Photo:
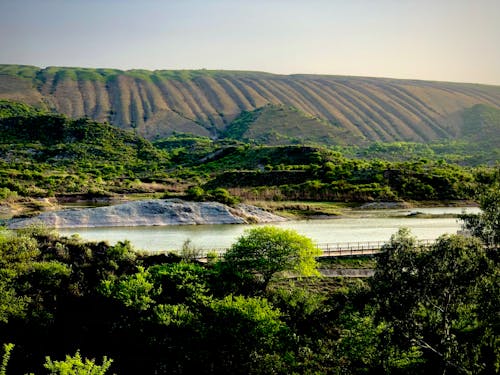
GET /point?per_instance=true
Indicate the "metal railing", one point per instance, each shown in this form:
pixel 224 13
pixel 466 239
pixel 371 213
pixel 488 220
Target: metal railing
pixel 331 249
pixel 359 248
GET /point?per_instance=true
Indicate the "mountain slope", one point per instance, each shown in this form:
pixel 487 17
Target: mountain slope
pixel 157 103
pixel 482 125
pixel 277 125
pixel 27 135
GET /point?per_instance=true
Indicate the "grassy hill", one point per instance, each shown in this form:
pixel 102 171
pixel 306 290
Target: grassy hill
pixel 66 141
pixel 41 153
pixel 281 125
pixel 482 124
pixel 282 109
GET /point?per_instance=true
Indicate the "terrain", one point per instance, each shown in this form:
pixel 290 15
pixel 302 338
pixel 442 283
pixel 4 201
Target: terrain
pixel 276 109
pixel 151 213
pixel 239 136
pixel 46 159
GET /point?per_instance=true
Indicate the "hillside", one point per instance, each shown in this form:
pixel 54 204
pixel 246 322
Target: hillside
pixel 278 125
pixel 47 155
pixel 54 138
pixel 203 102
pixel 42 153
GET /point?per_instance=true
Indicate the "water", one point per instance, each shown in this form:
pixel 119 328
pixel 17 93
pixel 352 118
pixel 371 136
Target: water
pixel 372 225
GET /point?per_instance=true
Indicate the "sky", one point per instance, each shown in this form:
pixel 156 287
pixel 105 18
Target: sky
pixel 442 40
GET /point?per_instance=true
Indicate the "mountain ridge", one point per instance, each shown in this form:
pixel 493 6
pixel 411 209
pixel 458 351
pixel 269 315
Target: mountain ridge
pixel 158 103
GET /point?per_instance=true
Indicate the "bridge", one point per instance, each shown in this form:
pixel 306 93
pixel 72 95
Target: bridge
pixel 332 249
pixel 340 249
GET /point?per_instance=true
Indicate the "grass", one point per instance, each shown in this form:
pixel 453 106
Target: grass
pixel 354 262
pixel 304 209
pixel 321 285
pixel 325 110
pixel 280 124
pixel 21 71
pixel 421 215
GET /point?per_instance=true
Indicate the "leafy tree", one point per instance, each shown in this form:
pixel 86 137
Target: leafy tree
pixel 297 303
pixel 196 193
pixel 7 350
pixel 429 299
pixel 486 225
pixel 133 291
pixel 177 315
pixel 266 251
pixel 242 330
pixel 76 365
pixel 17 254
pixel 180 283
pixel 221 195
pixel 72 365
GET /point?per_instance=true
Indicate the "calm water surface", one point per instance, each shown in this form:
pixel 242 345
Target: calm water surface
pixel 373 225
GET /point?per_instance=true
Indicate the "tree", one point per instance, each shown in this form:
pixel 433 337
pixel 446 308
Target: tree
pixel 241 332
pixel 7 349
pixel 265 251
pixel 486 225
pixel 134 291
pixel 429 298
pixel 72 365
pixel 223 196
pixel 18 255
pixel 76 365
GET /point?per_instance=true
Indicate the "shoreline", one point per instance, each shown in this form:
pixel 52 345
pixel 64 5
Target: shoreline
pixel 23 208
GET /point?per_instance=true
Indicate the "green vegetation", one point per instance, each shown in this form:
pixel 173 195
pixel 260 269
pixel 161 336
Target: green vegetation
pixel 264 252
pixel 316 173
pixel 220 195
pixel 281 125
pixel 43 154
pixel 441 308
pixel 486 225
pixel 74 365
pixel 27 72
pixel 267 108
pixel 46 155
pixel 246 313
pixel 11 109
pixel 358 262
pixel 327 176
pixel 242 314
pixel 481 125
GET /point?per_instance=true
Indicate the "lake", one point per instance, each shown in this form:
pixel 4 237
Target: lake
pixel 358 226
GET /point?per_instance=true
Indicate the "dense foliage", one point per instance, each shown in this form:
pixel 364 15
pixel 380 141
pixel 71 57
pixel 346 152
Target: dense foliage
pixel 486 225
pixel 264 252
pixel 43 155
pixel 432 302
pixel 427 310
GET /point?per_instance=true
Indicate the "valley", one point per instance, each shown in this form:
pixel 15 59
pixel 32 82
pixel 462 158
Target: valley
pixel 141 295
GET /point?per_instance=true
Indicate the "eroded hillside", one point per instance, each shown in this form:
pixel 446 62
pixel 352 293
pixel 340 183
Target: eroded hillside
pixel 157 103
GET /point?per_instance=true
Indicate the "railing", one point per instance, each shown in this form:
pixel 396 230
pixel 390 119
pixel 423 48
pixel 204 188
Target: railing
pixel 336 249
pixel 358 248
pixel 350 248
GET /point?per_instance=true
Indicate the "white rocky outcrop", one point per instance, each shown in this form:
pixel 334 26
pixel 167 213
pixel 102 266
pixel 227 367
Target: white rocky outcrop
pixel 151 212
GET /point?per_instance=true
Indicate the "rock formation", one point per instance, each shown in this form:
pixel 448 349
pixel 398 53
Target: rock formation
pixel 150 212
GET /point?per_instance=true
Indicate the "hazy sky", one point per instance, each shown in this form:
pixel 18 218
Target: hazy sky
pixel 445 40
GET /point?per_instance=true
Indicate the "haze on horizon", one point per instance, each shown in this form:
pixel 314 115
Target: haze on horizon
pixel 443 40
